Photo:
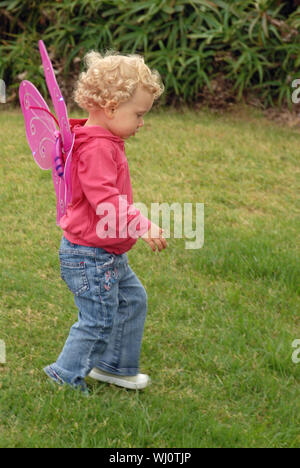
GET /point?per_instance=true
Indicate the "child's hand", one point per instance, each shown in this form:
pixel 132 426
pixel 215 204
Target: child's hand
pixel 154 238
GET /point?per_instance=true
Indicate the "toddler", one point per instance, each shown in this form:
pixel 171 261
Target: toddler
pixel 102 224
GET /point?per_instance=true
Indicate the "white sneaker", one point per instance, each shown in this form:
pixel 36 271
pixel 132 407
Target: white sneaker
pixel 134 382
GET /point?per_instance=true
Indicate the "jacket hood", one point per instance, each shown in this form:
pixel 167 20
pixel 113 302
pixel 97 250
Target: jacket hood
pixel 83 134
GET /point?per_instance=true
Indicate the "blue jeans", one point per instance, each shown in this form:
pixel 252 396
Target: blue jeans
pixel 112 305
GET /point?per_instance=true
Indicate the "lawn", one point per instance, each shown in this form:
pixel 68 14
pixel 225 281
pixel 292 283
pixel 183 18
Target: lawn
pixel 221 319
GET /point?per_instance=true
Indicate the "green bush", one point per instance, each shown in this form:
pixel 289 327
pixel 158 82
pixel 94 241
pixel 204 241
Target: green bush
pixel 216 50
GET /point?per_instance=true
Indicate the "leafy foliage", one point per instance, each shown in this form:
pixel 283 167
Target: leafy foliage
pixel 225 49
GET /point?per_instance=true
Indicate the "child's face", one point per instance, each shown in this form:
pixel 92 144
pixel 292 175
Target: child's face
pixel 127 118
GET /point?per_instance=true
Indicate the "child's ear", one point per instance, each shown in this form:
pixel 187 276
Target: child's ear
pixel 110 109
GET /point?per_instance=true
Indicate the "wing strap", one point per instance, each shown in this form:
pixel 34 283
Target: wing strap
pixel 43 109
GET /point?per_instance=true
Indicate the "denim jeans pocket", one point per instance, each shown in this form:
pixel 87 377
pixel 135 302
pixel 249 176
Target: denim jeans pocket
pixel 75 277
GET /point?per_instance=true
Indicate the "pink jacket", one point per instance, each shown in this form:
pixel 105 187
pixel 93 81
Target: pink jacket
pixel 101 213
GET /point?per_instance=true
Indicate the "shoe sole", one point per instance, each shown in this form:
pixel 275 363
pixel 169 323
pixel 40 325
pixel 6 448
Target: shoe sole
pixel 119 382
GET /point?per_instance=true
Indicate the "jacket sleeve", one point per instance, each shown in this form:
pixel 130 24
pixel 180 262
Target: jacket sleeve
pixel 98 173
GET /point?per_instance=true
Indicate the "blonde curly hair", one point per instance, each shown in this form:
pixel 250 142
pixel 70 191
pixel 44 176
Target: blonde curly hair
pixel 113 78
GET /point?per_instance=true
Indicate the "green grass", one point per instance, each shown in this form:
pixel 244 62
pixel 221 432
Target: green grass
pixel 221 319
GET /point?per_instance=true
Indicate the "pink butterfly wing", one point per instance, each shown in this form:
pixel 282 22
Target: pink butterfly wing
pixel 39 125
pixel 65 131
pixel 59 182
pixel 67 174
pixel 57 99
pixel 44 140
pixel 62 184
pixel 46 143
